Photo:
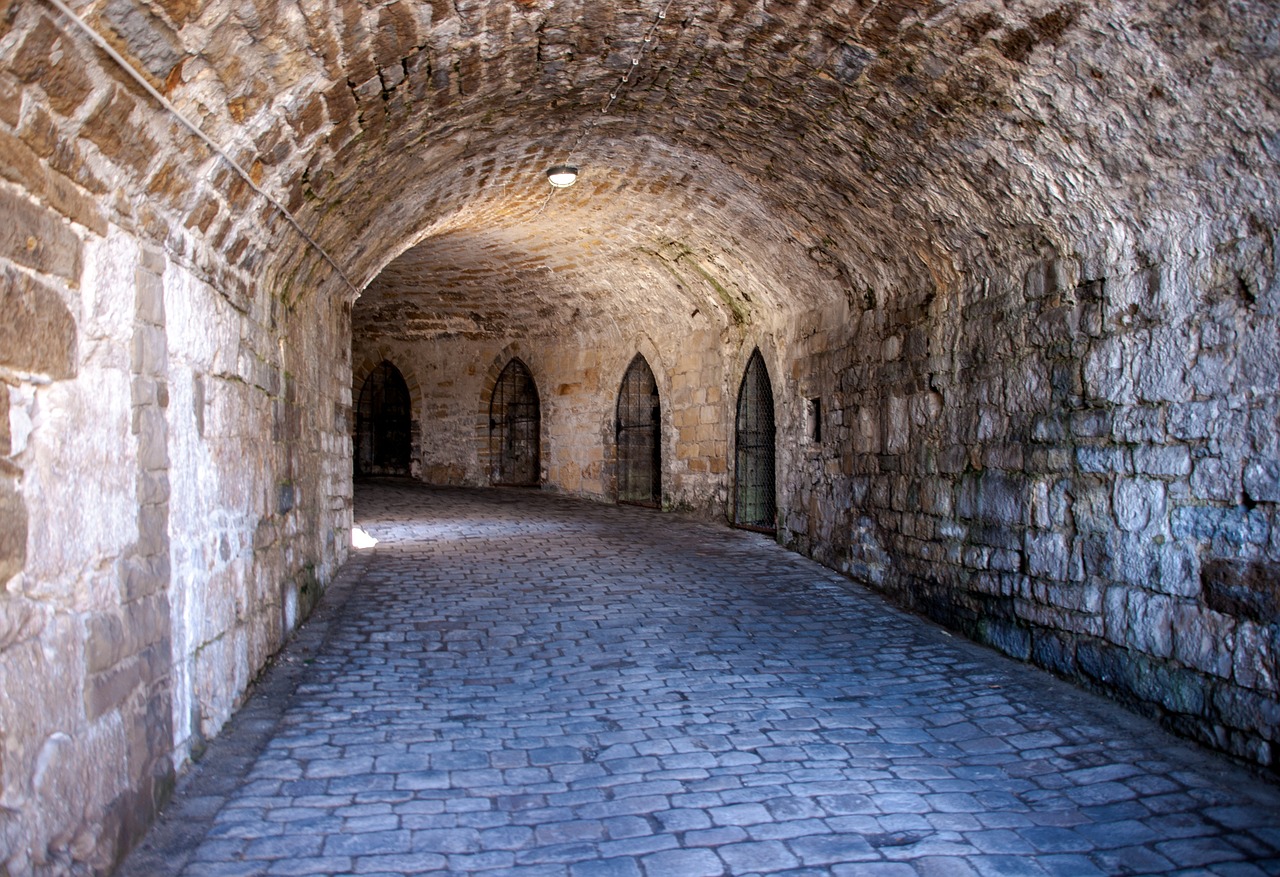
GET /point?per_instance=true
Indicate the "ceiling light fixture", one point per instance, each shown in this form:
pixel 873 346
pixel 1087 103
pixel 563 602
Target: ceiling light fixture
pixel 562 176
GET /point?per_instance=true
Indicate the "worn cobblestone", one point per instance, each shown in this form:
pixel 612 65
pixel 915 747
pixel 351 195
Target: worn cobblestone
pixel 603 690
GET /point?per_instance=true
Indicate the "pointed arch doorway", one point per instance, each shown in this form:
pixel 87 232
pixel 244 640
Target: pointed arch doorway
pixel 639 431
pixel 383 423
pixel 515 421
pixel 754 489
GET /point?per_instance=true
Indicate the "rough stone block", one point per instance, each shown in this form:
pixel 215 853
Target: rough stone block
pixel 1102 459
pixel 1139 503
pixel 107 690
pixel 1171 460
pixel 153 530
pixel 51 59
pixel 37 331
pixel 6 447
pixel 13 529
pixel 1007 636
pixel 1047 556
pixel 35 237
pixel 1176 570
pixel 995 498
pixel 150 301
pixel 1244 589
pixel 120 139
pixel 1262 480
pixel 1150 627
pixel 1254 664
pixel 1215 479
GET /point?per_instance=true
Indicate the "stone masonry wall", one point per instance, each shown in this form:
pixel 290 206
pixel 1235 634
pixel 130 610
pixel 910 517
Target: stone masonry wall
pixel 1077 465
pixel 1074 462
pixel 178 475
pixel 578 381
pixel 174 450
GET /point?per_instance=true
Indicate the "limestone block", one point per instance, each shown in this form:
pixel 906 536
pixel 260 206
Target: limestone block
pixel 1260 357
pixel 1264 431
pixel 1047 556
pixel 13 529
pixel 79 523
pixel 1105 374
pixel 1176 569
pixel 1242 588
pixel 21 620
pixel 1103 459
pixel 109 290
pixel 994 497
pixel 1214 478
pixel 1139 424
pixel 1139 504
pixel 38 239
pixel 145 36
pixel 37 331
pixel 1256 661
pixel 1169 460
pixel 1262 480
pixel 1150 623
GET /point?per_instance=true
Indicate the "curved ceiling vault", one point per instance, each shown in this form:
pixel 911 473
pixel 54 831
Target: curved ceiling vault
pixel 790 153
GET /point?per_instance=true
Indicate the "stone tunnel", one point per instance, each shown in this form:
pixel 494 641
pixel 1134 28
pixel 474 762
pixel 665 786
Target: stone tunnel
pixel 998 281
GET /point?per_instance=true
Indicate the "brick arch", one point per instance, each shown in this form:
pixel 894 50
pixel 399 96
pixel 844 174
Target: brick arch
pixel 360 373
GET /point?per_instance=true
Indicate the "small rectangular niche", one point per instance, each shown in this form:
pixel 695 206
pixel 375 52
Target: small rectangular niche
pixel 813 419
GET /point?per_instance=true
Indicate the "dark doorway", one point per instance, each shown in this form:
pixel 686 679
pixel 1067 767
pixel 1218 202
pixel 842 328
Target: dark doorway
pixel 514 422
pixel 754 504
pixel 639 437
pixel 383 420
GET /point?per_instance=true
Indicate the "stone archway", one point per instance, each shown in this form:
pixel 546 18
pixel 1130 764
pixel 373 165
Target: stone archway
pixel 384 418
pixel 755 449
pixel 515 421
pixel 638 431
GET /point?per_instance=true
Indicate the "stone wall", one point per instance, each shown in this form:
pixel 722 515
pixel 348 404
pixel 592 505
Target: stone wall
pixel 1078 465
pixel 1074 462
pixel 174 450
pixel 578 379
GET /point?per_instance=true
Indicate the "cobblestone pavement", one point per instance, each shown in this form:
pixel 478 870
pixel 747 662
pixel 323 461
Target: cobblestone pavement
pixel 515 683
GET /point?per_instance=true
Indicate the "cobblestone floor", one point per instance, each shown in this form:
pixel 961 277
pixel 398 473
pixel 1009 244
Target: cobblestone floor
pixel 514 683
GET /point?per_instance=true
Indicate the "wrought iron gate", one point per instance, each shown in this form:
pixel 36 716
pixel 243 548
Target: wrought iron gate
pixel 639 431
pixel 514 423
pixel 383 422
pixel 754 505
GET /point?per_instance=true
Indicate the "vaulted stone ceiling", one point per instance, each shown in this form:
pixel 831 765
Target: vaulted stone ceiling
pixel 783 154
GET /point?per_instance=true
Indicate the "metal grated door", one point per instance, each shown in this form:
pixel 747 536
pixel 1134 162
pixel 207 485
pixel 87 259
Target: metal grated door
pixel 754 504
pixel 514 424
pixel 639 436
pixel 383 421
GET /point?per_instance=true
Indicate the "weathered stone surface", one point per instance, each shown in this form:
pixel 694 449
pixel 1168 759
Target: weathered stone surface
pixel 1262 480
pixel 13 529
pixel 1041 322
pixel 37 331
pixel 52 59
pixel 145 37
pixel 37 239
pixel 1245 589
